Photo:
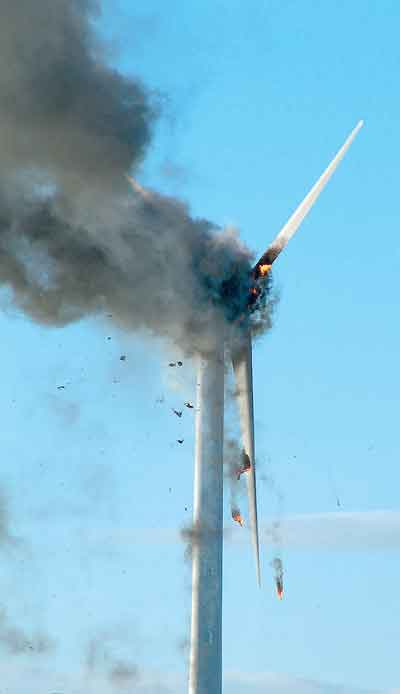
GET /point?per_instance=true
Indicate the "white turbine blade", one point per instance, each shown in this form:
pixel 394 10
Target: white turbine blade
pixel 290 228
pixel 138 188
pixel 243 369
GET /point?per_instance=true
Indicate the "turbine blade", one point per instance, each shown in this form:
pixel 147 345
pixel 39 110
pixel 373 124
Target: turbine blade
pixel 138 188
pixel 290 228
pixel 243 370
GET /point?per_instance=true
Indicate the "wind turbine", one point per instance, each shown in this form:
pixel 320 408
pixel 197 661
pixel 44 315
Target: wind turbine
pixel 205 667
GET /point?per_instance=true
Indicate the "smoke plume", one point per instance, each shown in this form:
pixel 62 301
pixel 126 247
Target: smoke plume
pixel 104 656
pixel 75 240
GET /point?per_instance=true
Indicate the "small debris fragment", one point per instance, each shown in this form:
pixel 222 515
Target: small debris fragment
pixel 172 363
pixel 189 405
pixel 179 363
pixel 180 440
pixel 177 412
pixel 122 357
pixel 245 467
pixel 60 387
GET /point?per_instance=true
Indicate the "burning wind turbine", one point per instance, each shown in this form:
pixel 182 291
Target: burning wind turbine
pixel 205 675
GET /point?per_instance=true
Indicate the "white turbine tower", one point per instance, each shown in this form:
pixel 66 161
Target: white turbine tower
pixel 205 670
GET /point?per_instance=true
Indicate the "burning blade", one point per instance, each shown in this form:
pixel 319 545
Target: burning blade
pixel 243 369
pixel 290 228
pixel 279 588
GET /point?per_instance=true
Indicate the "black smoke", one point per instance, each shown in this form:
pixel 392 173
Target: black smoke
pixel 75 240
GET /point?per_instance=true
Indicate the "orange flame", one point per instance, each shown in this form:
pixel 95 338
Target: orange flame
pixel 264 269
pixel 238 518
pixel 279 589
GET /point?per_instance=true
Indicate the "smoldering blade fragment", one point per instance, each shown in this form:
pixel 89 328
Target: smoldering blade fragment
pixel 278 568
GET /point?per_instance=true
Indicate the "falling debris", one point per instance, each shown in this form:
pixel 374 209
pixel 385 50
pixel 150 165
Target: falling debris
pixel 177 412
pixel 338 504
pixel 172 363
pixel 160 400
pixel 60 387
pixel 278 566
pixel 189 405
pixel 122 357
pixel 179 363
pixel 236 515
pixel 245 467
pixel 180 440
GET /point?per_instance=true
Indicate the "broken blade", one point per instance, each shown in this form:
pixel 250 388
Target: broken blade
pixel 291 226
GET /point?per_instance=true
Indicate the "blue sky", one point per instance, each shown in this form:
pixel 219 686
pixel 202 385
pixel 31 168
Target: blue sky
pixel 256 98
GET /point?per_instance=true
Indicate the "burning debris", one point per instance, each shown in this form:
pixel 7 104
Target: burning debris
pixel 245 467
pixel 278 567
pixel 177 412
pixel 236 515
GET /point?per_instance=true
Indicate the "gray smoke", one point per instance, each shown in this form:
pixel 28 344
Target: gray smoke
pixel 104 656
pixel 74 239
pixel 16 641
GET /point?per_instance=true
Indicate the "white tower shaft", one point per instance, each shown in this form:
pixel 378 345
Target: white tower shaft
pixel 205 675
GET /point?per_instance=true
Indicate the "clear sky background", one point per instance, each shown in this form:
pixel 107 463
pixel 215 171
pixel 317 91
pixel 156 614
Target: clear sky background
pixel 256 98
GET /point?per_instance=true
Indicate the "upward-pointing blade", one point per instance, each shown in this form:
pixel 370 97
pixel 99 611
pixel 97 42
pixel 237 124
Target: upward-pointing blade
pixel 243 370
pixel 290 228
